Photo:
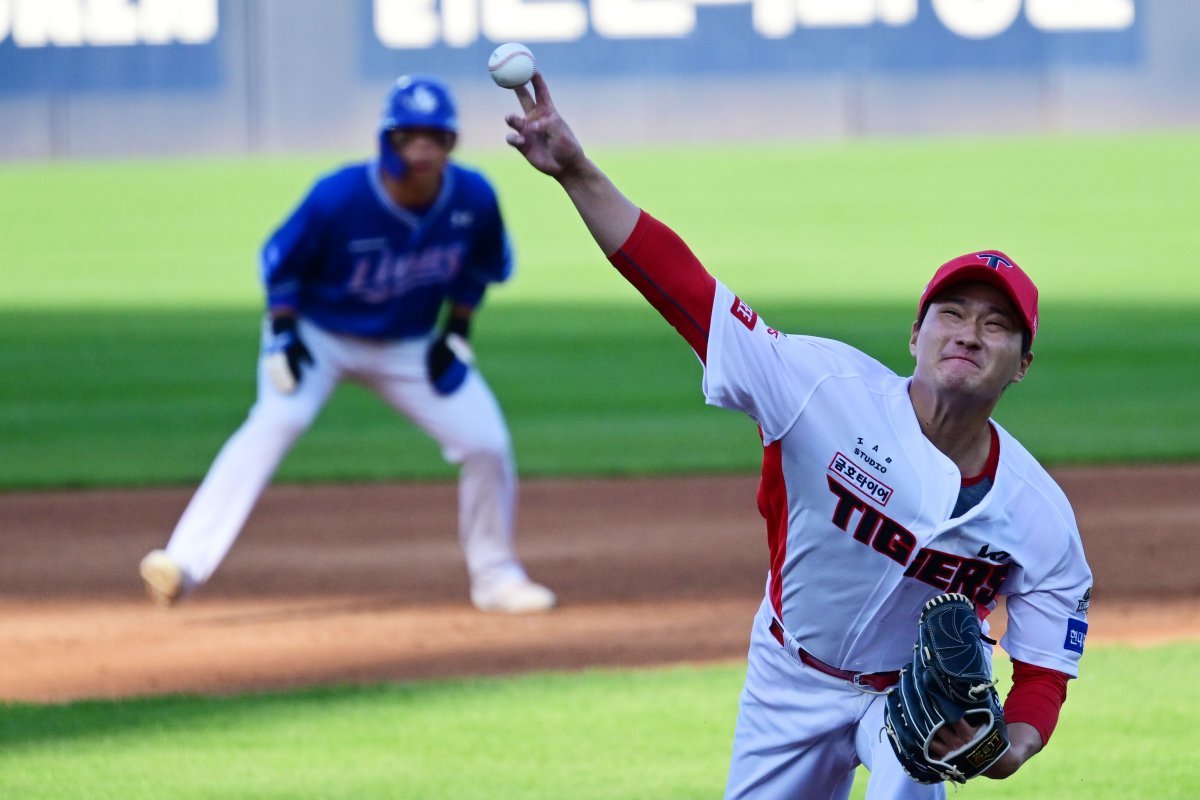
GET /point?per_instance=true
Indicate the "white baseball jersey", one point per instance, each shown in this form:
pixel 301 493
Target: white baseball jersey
pixel 858 506
pixel 861 529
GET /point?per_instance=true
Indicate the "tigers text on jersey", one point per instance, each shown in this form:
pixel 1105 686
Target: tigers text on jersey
pixel 354 262
pixel 858 502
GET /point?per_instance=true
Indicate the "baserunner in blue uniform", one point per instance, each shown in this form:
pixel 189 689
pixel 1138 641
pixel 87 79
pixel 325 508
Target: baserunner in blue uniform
pixel 374 278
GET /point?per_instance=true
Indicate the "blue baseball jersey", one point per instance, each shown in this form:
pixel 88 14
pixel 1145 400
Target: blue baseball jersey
pixel 354 262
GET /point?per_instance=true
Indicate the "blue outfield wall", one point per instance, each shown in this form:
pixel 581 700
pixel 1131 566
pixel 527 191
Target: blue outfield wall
pixel 94 78
pixel 681 38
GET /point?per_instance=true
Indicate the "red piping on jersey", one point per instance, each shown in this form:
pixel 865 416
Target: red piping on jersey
pixel 662 267
pixel 773 505
pixel 1036 697
pixel 993 460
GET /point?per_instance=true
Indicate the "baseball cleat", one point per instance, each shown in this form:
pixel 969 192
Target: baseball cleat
pixel 163 578
pixel 515 597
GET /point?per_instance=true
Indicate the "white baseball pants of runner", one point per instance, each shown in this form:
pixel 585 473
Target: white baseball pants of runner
pixel 801 733
pixel 468 425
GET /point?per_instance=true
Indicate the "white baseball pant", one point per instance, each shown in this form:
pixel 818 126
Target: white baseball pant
pixel 468 425
pixel 801 733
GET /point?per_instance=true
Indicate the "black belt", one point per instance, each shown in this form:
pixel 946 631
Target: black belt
pixel 876 681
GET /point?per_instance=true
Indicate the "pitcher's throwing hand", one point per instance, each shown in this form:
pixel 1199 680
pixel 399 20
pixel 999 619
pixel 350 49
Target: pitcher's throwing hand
pixel 540 134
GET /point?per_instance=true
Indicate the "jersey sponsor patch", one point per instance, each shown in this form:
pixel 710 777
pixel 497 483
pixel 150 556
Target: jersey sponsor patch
pixel 744 313
pixel 866 483
pixel 1076 633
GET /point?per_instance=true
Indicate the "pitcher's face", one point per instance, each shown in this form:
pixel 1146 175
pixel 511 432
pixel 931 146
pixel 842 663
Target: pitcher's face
pixel 970 342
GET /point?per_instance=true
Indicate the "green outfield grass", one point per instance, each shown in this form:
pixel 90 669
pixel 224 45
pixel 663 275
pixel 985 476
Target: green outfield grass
pixel 130 303
pixel 600 734
pixel 149 397
pixel 128 327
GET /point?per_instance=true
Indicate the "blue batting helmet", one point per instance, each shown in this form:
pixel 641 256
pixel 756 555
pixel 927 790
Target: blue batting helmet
pixel 415 101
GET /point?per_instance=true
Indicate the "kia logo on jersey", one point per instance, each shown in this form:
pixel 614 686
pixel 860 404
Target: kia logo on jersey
pixel 744 313
pixel 999 556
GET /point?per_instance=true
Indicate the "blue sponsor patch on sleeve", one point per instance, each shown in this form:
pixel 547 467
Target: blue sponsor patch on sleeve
pixel 1076 633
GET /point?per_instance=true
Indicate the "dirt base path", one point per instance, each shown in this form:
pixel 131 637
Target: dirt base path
pixel 364 583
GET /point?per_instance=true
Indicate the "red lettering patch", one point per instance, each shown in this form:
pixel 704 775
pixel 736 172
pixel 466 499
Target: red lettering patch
pixel 744 313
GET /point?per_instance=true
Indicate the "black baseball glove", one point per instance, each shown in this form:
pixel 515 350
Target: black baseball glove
pixel 950 678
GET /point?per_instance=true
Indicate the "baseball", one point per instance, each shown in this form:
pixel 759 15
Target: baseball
pixel 511 65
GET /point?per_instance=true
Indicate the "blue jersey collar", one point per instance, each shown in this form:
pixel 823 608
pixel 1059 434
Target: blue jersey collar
pixel 400 212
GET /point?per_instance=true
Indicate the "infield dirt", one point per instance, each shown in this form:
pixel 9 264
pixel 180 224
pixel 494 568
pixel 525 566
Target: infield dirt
pixel 337 584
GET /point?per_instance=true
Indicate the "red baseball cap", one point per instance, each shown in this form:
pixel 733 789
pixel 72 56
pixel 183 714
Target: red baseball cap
pixel 992 267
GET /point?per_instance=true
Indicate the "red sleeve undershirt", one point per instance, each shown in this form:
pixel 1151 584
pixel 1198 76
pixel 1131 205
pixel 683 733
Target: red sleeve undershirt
pixel 662 267
pixel 1036 697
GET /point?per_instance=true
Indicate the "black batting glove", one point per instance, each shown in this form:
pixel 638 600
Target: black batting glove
pixel 286 354
pixel 450 357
